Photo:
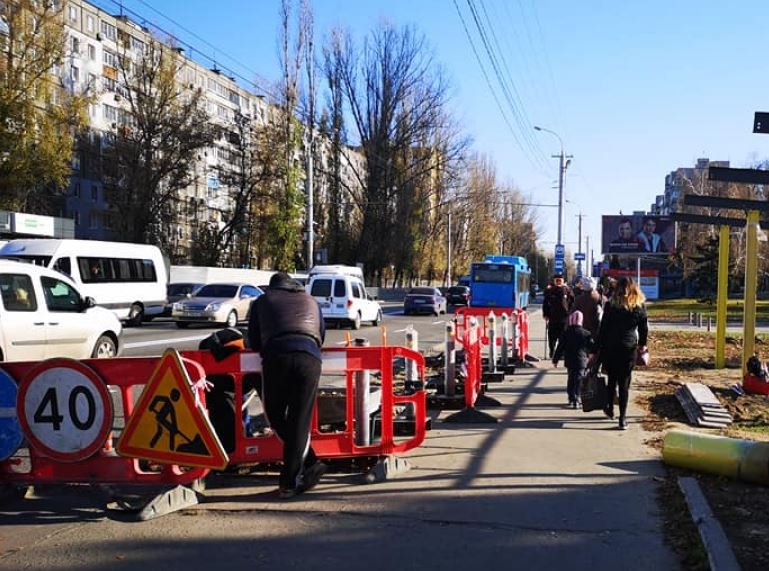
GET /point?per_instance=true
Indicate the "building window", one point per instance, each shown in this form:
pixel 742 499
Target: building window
pixel 75 73
pixel 73 13
pixel 76 190
pixel 74 44
pixel 110 113
pixel 94 193
pixel 76 217
pixel 108 30
pixel 109 58
pixel 75 163
pixel 91 52
pixel 89 23
pixel 93 220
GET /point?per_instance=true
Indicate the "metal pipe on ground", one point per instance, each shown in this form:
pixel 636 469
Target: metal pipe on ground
pixel 732 457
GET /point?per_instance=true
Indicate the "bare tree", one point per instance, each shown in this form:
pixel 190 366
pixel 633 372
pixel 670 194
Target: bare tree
pixel 397 97
pixel 40 113
pixel 155 144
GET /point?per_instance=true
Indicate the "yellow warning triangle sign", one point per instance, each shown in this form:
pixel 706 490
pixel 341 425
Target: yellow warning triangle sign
pixel 167 426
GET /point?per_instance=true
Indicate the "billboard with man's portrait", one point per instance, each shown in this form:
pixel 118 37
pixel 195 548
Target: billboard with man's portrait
pixel 638 234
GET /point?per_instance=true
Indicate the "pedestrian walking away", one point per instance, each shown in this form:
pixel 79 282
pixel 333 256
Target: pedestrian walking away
pixel 575 347
pixel 556 305
pixel 589 303
pixel 624 330
pixel 286 327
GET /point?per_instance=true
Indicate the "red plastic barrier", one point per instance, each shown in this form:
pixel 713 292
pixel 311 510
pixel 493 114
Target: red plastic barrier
pixel 127 375
pixel 522 348
pixel 464 314
pixel 471 340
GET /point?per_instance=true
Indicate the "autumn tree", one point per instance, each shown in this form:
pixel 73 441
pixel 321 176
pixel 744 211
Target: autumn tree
pixel 40 113
pixel 157 137
pixel 397 98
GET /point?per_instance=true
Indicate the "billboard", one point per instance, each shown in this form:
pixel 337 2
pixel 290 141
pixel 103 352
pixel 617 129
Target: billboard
pixel 638 234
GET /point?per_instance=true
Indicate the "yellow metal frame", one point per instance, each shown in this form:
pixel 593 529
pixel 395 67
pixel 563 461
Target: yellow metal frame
pixel 751 275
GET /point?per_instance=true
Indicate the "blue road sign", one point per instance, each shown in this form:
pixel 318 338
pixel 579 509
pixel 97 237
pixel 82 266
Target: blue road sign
pixel 11 436
pixel 559 265
pixel 579 257
pixel 560 251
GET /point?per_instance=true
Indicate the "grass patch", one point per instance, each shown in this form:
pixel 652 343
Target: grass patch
pixel 679 308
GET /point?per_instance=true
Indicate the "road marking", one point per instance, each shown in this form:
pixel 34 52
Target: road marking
pixel 140 344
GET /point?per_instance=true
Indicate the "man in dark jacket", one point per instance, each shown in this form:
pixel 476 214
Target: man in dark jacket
pixel 286 327
pixel 556 305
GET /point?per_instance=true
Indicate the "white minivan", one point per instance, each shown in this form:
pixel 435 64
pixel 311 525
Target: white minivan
pixel 343 298
pixel 128 279
pixel 43 315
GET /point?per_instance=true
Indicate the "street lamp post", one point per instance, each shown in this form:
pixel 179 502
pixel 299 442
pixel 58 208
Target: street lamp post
pixel 563 164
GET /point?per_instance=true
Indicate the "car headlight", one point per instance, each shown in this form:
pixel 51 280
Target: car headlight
pixel 213 306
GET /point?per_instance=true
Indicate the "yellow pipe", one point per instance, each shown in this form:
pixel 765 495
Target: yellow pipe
pixel 751 274
pixel 741 459
pixel 721 296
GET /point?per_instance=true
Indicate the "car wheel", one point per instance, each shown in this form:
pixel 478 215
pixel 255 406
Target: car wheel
pixel 356 321
pixel 378 319
pixel 182 324
pixel 135 315
pixel 105 348
pixel 232 319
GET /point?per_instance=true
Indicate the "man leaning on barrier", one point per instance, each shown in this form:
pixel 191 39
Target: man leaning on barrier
pixel 286 327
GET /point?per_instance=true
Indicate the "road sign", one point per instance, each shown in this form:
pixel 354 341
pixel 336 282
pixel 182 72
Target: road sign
pixel 167 425
pixel 560 251
pixel 65 410
pixel 761 122
pixel 559 265
pixel 579 257
pixel 11 436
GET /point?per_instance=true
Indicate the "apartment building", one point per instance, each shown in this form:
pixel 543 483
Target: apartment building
pixel 96 40
pixel 684 180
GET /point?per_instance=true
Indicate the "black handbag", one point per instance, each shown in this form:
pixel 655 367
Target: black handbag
pixel 593 391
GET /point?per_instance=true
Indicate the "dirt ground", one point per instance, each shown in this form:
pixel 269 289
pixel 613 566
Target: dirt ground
pixel 741 508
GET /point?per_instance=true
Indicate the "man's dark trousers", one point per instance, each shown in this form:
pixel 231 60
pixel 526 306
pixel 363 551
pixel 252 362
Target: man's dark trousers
pixel 290 384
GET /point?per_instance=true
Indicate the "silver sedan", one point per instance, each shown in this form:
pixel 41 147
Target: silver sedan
pixel 222 303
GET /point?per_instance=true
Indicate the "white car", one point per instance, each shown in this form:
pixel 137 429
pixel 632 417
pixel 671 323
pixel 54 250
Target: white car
pixel 343 299
pixel 43 315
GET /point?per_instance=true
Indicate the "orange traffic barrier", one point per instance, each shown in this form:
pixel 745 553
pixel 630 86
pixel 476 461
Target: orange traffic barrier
pixel 65 408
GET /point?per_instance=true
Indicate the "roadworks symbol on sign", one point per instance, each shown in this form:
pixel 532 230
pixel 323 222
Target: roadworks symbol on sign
pixel 167 426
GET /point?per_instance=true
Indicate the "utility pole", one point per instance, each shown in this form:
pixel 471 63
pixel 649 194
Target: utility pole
pixel 588 257
pixel 448 252
pixel 579 245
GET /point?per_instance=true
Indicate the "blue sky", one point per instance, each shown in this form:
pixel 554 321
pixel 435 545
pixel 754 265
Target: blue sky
pixel 635 89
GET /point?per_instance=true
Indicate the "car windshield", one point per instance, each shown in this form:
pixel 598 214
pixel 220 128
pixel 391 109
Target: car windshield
pixel 218 290
pixel 182 289
pixel 422 291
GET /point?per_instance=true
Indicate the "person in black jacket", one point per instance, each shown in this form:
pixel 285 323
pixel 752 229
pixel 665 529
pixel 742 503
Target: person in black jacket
pixel 556 305
pixel 624 329
pixel 286 326
pixel 574 348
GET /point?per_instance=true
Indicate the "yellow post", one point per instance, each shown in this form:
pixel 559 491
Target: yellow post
pixel 723 290
pixel 751 274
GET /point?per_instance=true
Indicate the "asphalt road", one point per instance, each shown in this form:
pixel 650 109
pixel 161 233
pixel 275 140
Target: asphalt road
pixel 154 337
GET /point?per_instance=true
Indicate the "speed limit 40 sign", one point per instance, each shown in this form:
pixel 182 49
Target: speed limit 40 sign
pixel 65 410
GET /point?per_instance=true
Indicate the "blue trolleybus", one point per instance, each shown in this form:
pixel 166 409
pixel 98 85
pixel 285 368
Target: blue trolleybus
pixel 500 281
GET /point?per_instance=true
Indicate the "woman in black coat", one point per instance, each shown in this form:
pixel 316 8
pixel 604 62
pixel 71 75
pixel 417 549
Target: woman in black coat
pixel 624 329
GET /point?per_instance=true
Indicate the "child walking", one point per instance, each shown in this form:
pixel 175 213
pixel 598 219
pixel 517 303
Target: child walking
pixel 574 346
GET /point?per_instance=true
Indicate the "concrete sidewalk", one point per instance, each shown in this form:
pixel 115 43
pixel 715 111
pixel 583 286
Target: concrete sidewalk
pixel 545 488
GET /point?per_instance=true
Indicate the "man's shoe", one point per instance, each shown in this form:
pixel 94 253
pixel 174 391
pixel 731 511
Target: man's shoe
pixel 288 493
pixel 622 424
pixel 311 476
pixel 609 412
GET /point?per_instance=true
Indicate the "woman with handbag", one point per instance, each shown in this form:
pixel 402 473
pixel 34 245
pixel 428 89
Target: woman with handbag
pixel 623 333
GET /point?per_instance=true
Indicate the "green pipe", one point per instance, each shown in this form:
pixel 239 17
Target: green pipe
pixel 741 459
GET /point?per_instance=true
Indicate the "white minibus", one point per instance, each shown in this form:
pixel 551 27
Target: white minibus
pixel 129 279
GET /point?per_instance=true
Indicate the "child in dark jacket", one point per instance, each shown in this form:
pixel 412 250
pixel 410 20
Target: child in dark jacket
pixel 574 346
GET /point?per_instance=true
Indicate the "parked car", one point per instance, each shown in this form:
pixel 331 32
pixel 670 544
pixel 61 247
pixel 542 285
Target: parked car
pixel 343 297
pixel 225 303
pixel 43 315
pixel 177 292
pixel 458 295
pixel 424 300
